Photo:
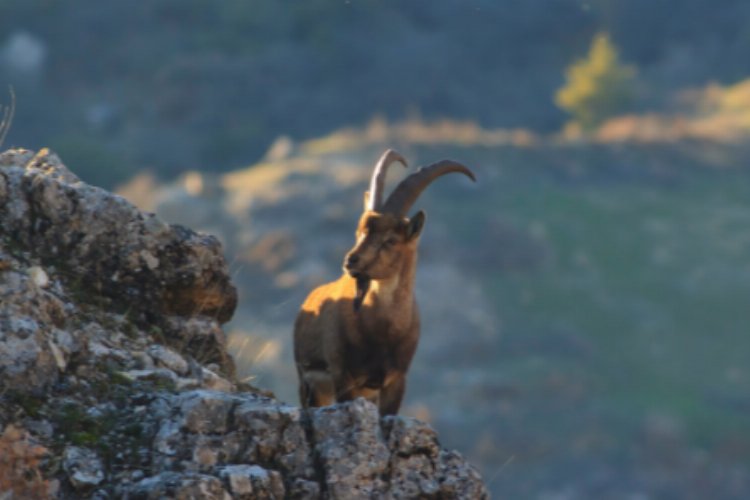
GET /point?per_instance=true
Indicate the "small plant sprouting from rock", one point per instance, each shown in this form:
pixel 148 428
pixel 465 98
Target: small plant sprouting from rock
pixel 7 115
pixel 29 402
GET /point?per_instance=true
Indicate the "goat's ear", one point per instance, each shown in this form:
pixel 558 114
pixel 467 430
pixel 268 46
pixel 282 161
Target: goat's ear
pixel 414 229
pixel 367 200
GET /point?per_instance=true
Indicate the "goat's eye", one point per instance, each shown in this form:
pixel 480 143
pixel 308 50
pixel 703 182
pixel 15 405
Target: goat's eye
pixel 390 242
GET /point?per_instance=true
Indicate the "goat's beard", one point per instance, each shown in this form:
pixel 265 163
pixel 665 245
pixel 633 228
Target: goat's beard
pixel 363 284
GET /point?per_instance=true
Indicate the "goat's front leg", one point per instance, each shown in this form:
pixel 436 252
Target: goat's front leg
pixel 391 396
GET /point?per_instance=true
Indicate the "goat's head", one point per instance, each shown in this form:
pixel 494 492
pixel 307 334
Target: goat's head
pixel 386 238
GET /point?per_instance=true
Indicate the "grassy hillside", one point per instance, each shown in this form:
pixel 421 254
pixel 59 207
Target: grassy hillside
pixel 654 280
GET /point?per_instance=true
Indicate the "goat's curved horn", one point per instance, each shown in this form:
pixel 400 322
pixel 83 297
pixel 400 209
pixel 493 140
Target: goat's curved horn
pixel 377 182
pixel 407 192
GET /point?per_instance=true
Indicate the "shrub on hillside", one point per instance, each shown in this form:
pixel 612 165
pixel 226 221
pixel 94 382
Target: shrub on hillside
pixel 598 86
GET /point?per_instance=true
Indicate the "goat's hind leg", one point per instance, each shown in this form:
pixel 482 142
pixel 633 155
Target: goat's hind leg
pixel 391 396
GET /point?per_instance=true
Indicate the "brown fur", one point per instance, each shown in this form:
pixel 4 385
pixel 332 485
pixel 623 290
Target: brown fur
pixel 342 351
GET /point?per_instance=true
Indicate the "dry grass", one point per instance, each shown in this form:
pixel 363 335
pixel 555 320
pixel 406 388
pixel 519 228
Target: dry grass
pixel 716 113
pixel 251 352
pixel 338 157
pixel 416 131
pixel 7 114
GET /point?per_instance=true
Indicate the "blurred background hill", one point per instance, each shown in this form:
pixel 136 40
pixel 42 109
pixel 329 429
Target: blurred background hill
pixel 585 303
pixel 174 84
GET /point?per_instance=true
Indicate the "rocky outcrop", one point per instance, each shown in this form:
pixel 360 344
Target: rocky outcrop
pixel 114 376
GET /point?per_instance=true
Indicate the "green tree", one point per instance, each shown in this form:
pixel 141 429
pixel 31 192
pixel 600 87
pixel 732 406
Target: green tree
pixel 598 86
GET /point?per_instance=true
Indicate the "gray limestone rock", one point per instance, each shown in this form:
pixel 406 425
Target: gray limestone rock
pixel 351 449
pixel 168 358
pixel 251 482
pixel 110 251
pixel 84 468
pixel 179 485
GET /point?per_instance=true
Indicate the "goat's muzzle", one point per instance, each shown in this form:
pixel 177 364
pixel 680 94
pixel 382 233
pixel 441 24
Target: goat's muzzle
pixel 350 263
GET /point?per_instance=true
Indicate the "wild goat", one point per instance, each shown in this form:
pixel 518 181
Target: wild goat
pixel 355 337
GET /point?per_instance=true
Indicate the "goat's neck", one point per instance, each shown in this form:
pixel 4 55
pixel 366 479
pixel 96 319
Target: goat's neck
pixel 393 298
